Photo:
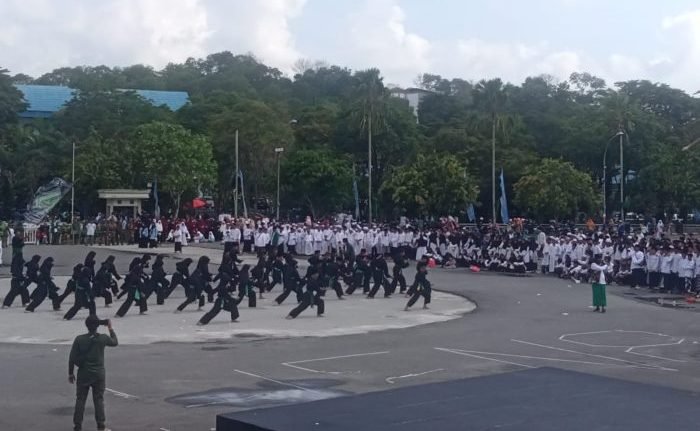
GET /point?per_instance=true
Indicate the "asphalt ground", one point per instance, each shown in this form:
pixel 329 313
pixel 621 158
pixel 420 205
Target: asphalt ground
pixel 520 323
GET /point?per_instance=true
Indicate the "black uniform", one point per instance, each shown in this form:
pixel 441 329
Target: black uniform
pixel 380 274
pixel 224 300
pixel 423 288
pixel 312 296
pixel 397 271
pixel 159 282
pixel 332 273
pixel 181 277
pixel 46 287
pixel 32 272
pixel 135 262
pixel 133 285
pixel 246 287
pixel 290 281
pixel 70 286
pixel 83 294
pixel 360 275
pixel 17 284
pixel 198 281
pixel 276 270
pixel 103 283
pixel 257 274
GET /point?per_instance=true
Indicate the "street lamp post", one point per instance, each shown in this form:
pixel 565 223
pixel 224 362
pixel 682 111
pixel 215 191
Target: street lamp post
pixel 278 151
pixel 235 190
pixel 72 189
pixel 619 134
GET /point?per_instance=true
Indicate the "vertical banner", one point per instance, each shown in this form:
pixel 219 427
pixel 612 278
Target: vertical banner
pixel 504 202
pixel 156 209
pixel 471 214
pixel 45 198
pixel 245 208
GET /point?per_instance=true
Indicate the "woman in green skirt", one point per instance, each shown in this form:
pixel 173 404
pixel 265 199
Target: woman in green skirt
pixel 599 268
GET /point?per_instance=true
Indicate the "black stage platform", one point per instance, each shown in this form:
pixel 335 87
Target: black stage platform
pixel 543 399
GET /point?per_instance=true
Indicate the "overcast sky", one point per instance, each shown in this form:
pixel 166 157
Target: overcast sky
pixel 615 39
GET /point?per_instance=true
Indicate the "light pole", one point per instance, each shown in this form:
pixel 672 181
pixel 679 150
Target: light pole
pixel 622 178
pixel 605 167
pixel 493 170
pixel 235 190
pixel 72 190
pixel 278 151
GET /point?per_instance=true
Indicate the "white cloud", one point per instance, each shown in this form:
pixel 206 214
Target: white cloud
pixel 684 33
pixel 379 38
pixel 40 35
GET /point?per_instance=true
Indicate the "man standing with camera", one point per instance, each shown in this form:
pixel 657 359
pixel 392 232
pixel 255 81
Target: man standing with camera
pixel 87 354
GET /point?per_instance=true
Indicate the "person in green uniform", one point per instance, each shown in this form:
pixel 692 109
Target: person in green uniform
pixel 598 267
pixel 88 354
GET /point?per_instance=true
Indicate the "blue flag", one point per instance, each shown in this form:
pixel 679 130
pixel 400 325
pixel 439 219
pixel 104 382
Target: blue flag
pixel 471 214
pixel 504 202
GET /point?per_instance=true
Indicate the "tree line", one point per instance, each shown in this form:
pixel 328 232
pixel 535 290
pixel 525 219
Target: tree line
pixel 550 140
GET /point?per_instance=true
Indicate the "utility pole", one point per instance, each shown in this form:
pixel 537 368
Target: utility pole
pixel 278 151
pixel 369 168
pixel 622 179
pixel 235 190
pixel 493 168
pixel 72 189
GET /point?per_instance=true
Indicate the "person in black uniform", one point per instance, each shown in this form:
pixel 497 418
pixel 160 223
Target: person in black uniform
pixel 103 283
pixel 198 280
pixel 45 288
pixel 380 275
pixel 276 271
pixel 332 271
pixel 90 263
pixel 181 277
pixel 400 263
pixel 70 286
pixel 135 262
pixel 246 287
pixel 422 262
pixel 31 274
pixel 17 284
pixel 257 275
pixel 133 284
pixel 83 294
pixel 360 274
pixel 224 300
pixel 159 282
pixel 290 280
pixel 423 287
pixel 312 296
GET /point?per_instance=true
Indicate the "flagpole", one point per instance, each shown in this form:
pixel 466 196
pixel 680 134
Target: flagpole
pixel 235 194
pixel 72 190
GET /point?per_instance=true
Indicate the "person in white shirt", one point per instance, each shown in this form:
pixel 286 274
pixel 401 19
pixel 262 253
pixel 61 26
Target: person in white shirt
pixel 687 271
pixel 637 267
pixel 599 269
pixel 90 229
pixel 653 268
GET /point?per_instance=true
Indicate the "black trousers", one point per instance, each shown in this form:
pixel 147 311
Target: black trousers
pixel 17 288
pixel 219 305
pixel 40 294
pixel 355 283
pixel 102 290
pixel 380 282
pixel 162 287
pixel 637 277
pixel 81 301
pixel 285 293
pixel 192 296
pixel 276 279
pixel 654 279
pixel 177 280
pixel 335 285
pixel 399 280
pixel 131 297
pixel 424 292
pixel 306 302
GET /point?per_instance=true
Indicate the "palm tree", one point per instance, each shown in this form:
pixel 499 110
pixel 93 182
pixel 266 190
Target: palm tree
pixel 371 110
pixel 491 97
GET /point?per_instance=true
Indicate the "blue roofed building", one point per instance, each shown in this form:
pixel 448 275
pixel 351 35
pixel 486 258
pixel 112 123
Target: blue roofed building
pixel 46 100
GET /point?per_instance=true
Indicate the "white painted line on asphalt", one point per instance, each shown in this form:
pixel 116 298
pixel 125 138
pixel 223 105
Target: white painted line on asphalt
pixel 293 364
pixel 392 380
pixel 632 352
pixel 458 352
pixel 292 385
pixel 121 394
pixel 565 338
pixel 584 354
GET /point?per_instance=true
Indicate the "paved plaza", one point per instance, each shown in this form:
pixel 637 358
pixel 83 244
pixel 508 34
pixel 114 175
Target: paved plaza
pixel 168 375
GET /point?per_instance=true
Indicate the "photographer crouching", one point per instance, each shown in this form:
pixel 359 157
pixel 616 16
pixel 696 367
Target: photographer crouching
pixel 88 354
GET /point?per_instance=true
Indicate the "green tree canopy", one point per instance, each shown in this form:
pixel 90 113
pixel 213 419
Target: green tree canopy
pixel 554 189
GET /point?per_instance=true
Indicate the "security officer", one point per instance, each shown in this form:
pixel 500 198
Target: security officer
pixel 88 354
